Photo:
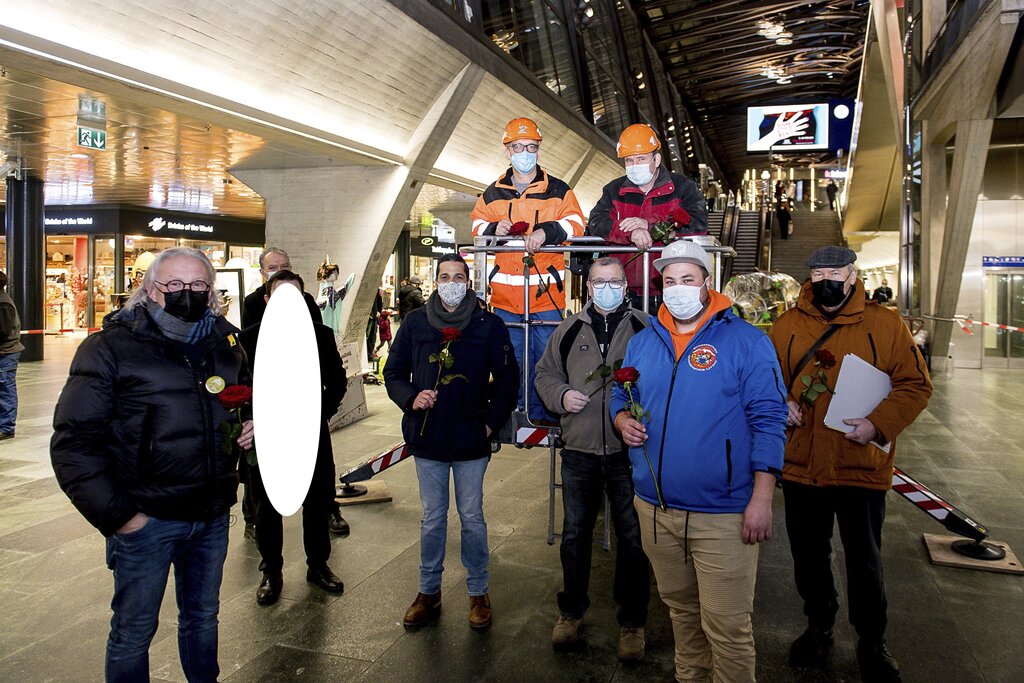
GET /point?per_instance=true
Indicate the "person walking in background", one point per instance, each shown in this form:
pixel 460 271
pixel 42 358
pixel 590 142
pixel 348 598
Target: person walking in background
pixel 451 410
pixel 319 502
pixel 705 463
pixel 526 200
pixel 10 351
pixel 137 448
pixel 784 219
pixel 832 190
pixel 384 330
pixel 832 477
pixel 594 460
pixel 410 297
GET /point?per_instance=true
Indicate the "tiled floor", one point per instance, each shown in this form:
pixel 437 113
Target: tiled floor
pixel 945 624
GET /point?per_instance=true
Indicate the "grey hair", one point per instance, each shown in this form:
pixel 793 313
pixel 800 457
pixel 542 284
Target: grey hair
pixel 610 261
pixel 148 285
pixel 273 250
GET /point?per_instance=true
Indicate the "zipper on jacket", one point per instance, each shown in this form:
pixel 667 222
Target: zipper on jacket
pixel 917 363
pixel 728 467
pixel 874 354
pixel 145 453
pixel 204 408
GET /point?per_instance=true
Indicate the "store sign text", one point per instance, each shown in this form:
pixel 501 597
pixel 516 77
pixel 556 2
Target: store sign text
pixel 158 224
pixel 1002 261
pixel 76 220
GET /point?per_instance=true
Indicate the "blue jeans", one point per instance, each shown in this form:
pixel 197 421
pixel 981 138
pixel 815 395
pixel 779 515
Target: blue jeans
pixel 8 391
pixel 586 477
pixel 469 500
pixel 539 337
pixel 140 561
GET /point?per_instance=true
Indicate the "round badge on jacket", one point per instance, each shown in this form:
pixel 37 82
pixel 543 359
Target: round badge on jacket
pixel 215 384
pixel 703 357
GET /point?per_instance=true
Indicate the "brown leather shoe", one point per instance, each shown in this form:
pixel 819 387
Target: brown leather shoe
pixel 424 609
pixel 480 611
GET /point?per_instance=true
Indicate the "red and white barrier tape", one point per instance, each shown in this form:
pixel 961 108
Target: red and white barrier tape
pixel 919 494
pixel 965 325
pixel 376 464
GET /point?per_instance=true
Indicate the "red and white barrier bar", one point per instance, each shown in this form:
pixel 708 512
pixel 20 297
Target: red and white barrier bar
pixel 925 499
pixel 376 464
pixel 532 436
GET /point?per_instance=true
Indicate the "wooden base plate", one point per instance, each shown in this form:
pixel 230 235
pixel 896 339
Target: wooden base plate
pixel 941 552
pixel 377 491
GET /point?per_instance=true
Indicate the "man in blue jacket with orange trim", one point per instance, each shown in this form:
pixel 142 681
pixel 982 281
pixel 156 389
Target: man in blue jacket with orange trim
pixel 705 462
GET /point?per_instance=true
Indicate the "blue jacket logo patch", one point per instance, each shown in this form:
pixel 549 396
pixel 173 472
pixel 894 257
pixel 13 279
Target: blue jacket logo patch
pixel 703 357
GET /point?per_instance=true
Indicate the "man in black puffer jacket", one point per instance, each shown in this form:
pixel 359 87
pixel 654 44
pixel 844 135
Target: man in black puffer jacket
pixel 451 410
pixel 137 448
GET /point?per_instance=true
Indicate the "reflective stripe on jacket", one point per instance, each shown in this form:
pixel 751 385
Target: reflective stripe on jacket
pixel 546 204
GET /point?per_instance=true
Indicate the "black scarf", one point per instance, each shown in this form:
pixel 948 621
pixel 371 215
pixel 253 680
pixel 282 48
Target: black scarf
pixel 439 317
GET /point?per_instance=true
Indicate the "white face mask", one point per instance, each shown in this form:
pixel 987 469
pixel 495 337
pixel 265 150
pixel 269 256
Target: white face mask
pixel 683 301
pixel 639 174
pixel 452 293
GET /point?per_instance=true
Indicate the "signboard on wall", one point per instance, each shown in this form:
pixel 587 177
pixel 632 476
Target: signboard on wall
pixel 430 246
pixel 1002 261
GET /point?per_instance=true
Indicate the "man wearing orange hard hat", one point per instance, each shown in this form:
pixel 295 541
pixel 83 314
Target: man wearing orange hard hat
pixel 527 201
pixel 648 195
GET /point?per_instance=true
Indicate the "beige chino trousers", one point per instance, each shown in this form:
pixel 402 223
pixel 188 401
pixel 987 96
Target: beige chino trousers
pixel 706 576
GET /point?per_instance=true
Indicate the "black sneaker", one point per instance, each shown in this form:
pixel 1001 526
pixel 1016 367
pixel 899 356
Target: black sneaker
pixel 6 435
pixel 811 648
pixel 877 665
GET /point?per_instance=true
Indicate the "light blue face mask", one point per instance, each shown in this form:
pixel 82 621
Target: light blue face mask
pixel 608 298
pixel 639 174
pixel 524 162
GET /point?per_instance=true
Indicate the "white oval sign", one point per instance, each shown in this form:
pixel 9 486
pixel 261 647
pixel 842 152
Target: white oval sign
pixel 286 399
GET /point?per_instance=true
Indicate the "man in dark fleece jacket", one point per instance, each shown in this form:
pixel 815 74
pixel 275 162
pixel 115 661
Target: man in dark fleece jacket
pixel 439 372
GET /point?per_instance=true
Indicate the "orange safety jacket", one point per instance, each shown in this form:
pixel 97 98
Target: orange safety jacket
pixel 546 204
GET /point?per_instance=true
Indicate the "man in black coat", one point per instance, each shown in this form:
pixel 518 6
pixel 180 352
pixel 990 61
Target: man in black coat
pixel 320 497
pixel 410 297
pixel 439 373
pixel 272 261
pixel 137 447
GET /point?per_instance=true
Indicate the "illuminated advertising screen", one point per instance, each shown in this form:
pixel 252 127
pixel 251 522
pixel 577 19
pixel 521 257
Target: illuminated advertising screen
pixel 787 127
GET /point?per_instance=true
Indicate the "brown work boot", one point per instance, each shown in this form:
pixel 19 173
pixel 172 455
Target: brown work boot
pixel 631 642
pixel 480 611
pixel 424 609
pixel 566 632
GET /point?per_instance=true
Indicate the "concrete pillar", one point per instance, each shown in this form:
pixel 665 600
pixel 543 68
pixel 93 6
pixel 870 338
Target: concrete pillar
pixel 933 214
pixel 886 20
pixel 26 259
pixel 969 156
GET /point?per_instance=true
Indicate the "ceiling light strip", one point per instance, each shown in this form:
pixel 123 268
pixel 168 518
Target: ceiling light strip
pixel 191 100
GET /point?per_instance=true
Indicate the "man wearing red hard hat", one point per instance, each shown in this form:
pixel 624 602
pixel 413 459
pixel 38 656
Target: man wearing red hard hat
pixel 647 195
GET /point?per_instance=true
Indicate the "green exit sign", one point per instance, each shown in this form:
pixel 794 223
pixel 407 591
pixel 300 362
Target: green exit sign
pixel 92 138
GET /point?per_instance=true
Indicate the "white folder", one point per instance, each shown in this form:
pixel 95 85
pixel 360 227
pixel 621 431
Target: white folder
pixel 858 391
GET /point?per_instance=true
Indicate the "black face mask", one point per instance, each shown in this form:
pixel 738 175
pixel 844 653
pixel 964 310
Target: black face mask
pixel 187 305
pixel 828 293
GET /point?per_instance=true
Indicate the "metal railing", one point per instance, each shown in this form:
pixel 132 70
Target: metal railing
pixel 958 23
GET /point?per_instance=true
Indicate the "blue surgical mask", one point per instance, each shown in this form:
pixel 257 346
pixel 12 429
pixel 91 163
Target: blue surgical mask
pixel 524 162
pixel 639 174
pixel 608 298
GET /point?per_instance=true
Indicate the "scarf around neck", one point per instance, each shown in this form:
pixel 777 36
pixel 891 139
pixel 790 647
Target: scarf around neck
pixel 439 317
pixel 177 329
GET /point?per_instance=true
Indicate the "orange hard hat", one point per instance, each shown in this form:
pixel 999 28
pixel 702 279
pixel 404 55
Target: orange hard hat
pixel 520 129
pixel 637 139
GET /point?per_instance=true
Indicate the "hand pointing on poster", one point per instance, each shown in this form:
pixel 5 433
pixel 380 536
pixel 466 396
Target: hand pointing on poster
pixel 784 128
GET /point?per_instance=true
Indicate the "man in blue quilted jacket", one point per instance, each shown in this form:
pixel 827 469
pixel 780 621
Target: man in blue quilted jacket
pixel 706 440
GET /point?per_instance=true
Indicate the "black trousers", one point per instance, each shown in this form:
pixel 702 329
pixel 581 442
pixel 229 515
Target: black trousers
pixel 810 515
pixel 317 506
pixel 585 479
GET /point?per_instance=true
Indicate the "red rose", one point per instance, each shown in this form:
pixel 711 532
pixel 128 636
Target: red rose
pixel 824 358
pixel 681 217
pixel 519 228
pixel 235 396
pixel 450 334
pixel 623 375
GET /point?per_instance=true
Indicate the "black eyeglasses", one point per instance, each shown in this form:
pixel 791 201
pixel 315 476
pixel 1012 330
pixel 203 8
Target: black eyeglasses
pixel 517 148
pixel 178 285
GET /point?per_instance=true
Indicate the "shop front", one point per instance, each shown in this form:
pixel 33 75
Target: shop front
pixel 95 255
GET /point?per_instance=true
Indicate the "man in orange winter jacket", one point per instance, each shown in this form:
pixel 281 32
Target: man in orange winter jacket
pixel 829 475
pixel 527 201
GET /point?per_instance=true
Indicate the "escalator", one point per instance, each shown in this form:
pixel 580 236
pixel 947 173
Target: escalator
pixel 746 236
